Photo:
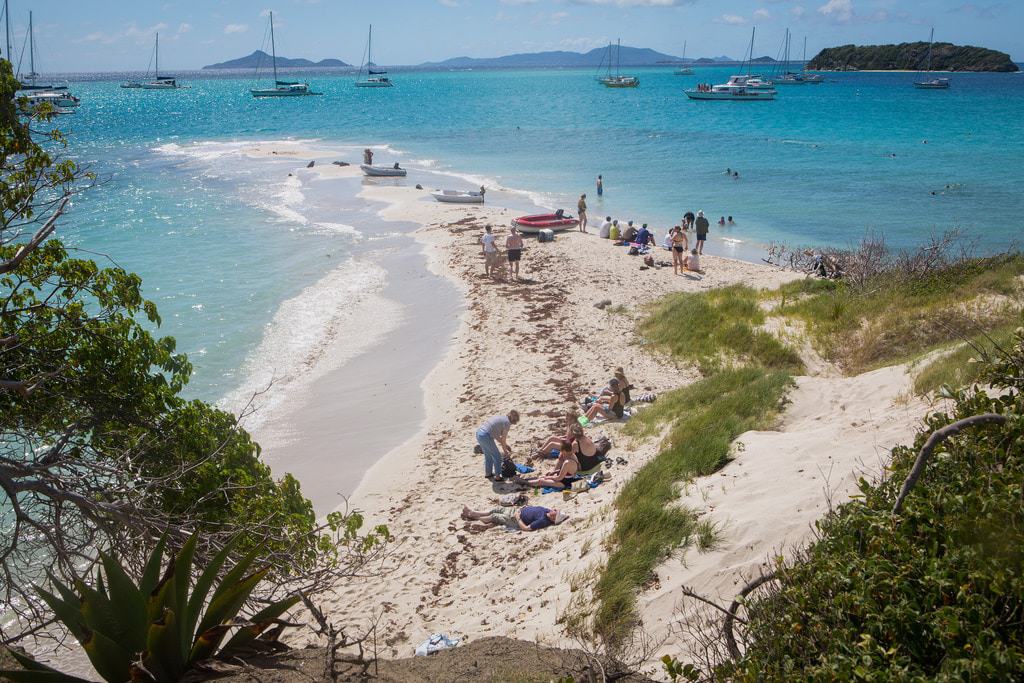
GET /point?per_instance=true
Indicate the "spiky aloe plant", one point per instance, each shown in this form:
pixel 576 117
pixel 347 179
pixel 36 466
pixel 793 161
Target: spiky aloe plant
pixel 156 630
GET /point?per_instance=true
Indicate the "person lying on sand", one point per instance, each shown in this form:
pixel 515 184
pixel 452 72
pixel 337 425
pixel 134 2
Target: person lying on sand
pixel 610 404
pixel 559 478
pixel 529 518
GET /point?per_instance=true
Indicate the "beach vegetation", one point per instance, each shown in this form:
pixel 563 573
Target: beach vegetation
pixel 895 314
pixel 163 625
pixel 717 328
pixel 930 588
pixel 962 365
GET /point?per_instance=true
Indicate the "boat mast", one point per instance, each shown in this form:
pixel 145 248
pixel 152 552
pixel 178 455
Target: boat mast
pixel 618 55
pixel 32 50
pixel 931 39
pixel 7 18
pixel 156 70
pixel 369 50
pixel 750 62
pixel 684 50
pixel 273 48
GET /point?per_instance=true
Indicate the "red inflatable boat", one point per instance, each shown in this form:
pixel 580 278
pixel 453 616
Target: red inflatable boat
pixel 547 221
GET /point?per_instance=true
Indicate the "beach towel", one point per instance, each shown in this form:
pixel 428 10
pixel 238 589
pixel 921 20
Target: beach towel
pixel 592 483
pixel 524 469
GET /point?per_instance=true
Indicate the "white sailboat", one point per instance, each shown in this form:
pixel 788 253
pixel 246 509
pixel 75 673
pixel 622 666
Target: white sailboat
pixel 374 78
pixel 280 88
pixel 158 82
pixel 788 77
pixel 618 80
pixel 36 93
pixel 934 83
pixel 684 70
pixel 812 79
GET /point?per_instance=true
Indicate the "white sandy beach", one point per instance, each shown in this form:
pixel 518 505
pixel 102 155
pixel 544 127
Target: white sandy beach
pixel 537 346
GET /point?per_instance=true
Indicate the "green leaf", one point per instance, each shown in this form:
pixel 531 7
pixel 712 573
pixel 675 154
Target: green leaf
pixel 226 604
pixel 151 574
pixel 98 613
pixel 110 660
pixel 129 603
pixel 183 572
pixel 68 614
pixel 227 583
pixel 163 656
pixel 261 621
pixel 203 584
pixel 28 662
pixel 40 677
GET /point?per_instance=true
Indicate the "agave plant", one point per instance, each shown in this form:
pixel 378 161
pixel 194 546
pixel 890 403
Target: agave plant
pixel 156 630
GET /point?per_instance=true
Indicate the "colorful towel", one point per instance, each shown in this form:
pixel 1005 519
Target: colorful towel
pixel 523 469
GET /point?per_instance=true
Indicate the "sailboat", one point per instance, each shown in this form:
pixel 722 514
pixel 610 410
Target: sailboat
pixel 373 79
pixel 739 88
pixel 813 79
pixel 618 80
pixel 55 95
pixel 934 83
pixel 158 82
pixel 788 77
pixel 281 88
pixel 684 70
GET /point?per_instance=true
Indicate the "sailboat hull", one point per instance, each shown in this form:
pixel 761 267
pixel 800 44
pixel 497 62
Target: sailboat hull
pixel 933 85
pixel 374 84
pixel 281 92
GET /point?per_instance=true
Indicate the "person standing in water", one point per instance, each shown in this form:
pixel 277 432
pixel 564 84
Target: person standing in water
pixel 702 232
pixel 514 248
pixel 581 207
pixel 600 186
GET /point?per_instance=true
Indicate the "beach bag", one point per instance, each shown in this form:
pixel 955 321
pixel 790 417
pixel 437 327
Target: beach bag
pixel 508 469
pixel 649 260
pixel 580 485
pixel 604 444
pixel 633 251
pixel 509 500
pixel 546 235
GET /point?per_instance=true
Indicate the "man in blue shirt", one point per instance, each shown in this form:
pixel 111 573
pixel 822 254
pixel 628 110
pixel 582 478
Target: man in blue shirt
pixel 644 237
pixel 529 518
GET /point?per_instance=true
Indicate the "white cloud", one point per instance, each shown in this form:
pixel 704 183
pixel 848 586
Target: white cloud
pixel 558 16
pixel 184 27
pixel 236 28
pixel 449 3
pixel 731 19
pixel 797 11
pixel 634 3
pixel 518 2
pixel 838 10
pixel 130 32
pixel 762 13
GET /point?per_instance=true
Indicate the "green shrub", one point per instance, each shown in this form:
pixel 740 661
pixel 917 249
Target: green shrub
pixel 160 627
pixel 935 593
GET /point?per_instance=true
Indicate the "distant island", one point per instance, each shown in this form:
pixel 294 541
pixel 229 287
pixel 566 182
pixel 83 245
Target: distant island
pixel 261 58
pixel 911 57
pixel 627 57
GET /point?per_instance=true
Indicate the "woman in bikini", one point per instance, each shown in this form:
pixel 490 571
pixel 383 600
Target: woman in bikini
pixel 679 245
pixel 562 476
pixel 610 404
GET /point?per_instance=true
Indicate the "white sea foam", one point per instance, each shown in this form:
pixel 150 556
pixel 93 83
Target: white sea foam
pixel 341 229
pixel 324 326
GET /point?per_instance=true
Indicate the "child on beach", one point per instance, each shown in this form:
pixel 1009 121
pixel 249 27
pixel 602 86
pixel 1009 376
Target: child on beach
pixel 556 441
pixel 693 261
pixel 559 478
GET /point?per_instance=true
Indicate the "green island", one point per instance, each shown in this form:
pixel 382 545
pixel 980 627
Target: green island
pixel 911 57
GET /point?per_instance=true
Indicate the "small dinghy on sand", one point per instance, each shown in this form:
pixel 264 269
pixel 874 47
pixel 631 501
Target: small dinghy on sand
pixel 383 171
pixel 458 197
pixel 548 221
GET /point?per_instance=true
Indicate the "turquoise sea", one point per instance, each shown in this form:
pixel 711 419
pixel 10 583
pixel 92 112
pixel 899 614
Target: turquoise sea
pixel 239 256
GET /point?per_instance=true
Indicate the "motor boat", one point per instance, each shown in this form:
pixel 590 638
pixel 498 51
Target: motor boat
pixel 58 99
pixel 933 84
pixel 458 197
pixel 735 89
pixel 547 221
pixel 383 171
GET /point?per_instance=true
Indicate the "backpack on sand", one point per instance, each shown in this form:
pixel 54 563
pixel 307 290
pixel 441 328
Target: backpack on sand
pixel 508 469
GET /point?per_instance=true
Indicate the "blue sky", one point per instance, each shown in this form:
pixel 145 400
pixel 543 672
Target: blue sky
pixel 112 35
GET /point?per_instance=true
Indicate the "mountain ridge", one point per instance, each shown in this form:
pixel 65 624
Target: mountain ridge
pixel 260 58
pixel 912 57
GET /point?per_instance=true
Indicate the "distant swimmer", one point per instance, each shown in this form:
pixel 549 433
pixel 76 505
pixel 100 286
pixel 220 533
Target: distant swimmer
pixel 721 220
pixel 731 221
pixel 728 171
pixel 736 175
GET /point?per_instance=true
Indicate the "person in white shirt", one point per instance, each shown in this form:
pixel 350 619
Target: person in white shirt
pixel 606 228
pixel 490 251
pixel 693 261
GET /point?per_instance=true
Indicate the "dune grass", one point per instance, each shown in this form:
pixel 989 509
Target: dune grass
pixel 717 328
pixel 704 420
pixel 895 318
pixel 958 368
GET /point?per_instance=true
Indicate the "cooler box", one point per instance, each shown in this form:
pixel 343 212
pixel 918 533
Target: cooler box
pixel 546 235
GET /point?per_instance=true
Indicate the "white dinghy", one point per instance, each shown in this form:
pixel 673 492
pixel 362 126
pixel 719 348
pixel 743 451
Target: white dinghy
pixel 383 171
pixel 458 197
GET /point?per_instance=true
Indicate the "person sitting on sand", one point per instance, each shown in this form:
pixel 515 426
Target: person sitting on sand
pixel 555 441
pixel 488 435
pixel 693 261
pixel 529 518
pixel 562 476
pixel 613 232
pixel 623 384
pixel 606 228
pixel 514 249
pixel 585 450
pixel 629 234
pixel 609 404
pixel 644 236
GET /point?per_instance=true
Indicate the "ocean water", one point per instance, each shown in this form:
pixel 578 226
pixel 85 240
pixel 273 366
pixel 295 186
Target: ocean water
pixel 247 263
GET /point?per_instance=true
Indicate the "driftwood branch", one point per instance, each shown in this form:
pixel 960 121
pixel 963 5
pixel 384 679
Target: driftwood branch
pixel 937 437
pixel 731 617
pixel 48 227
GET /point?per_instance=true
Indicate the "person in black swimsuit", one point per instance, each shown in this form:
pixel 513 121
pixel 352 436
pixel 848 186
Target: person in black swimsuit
pixel 562 476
